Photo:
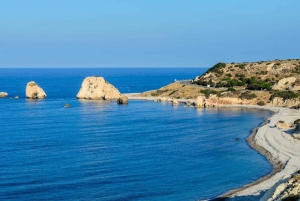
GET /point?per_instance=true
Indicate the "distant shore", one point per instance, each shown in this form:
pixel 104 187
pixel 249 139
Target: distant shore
pixel 277 145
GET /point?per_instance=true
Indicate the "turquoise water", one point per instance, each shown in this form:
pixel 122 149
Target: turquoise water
pixel 99 150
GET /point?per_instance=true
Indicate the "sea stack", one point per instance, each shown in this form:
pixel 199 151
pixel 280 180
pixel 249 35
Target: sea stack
pixel 33 91
pixel 97 88
pixel 3 94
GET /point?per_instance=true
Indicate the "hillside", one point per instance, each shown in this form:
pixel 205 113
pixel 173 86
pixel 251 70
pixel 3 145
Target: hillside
pixel 253 75
pixel 274 83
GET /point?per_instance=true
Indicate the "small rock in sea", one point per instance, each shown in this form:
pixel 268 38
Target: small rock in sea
pixel 10 98
pixel 67 106
pixel 237 139
pixel 122 100
pixel 16 97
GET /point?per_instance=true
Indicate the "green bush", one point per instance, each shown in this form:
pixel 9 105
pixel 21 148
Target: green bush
pixel 231 89
pixel 248 95
pixel 217 68
pixel 207 92
pixel 297 121
pixel 291 198
pixel 261 103
pixel 285 94
pixel 173 92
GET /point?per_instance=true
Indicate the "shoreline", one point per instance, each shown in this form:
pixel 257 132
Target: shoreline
pixel 277 145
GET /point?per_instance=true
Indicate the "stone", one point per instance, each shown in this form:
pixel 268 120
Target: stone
pixel 3 94
pixel 282 125
pixel 163 99
pixel 174 102
pixel 67 106
pixel 199 101
pixel 97 88
pixel 16 97
pixel 33 91
pixel 123 100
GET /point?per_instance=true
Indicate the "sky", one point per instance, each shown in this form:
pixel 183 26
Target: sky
pixel 146 33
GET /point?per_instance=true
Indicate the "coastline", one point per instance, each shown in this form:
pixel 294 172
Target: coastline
pixel 277 145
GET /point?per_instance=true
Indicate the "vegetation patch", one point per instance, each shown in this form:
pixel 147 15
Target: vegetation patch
pixel 247 95
pixel 173 92
pixel 207 92
pixel 285 94
pixel 291 198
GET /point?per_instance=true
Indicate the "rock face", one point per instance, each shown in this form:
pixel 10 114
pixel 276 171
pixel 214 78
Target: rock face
pixel 97 88
pixel 281 102
pixel 288 190
pixel 284 83
pixel 3 94
pixel 123 100
pixel 199 101
pixel 33 91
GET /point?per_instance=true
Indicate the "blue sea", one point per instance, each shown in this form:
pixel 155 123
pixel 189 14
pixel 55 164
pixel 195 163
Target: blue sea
pixel 99 150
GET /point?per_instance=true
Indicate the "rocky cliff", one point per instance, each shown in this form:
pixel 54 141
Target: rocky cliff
pixel 97 88
pixel 33 91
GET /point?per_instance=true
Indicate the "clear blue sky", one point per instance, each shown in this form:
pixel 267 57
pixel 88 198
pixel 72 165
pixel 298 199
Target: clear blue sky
pixel 146 33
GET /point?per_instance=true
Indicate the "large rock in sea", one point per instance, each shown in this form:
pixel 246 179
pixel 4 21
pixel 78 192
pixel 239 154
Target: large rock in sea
pixel 123 100
pixel 3 94
pixel 97 88
pixel 33 91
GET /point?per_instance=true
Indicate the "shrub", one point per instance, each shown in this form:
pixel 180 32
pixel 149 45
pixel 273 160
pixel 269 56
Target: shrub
pixel 173 92
pixel 281 121
pixel 248 95
pixel 231 89
pixel 297 121
pixel 157 93
pixel 261 103
pixel 207 92
pixel 291 198
pixel 285 94
pixel 217 68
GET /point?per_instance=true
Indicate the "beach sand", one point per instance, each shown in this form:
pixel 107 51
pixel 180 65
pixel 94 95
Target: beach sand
pixel 277 145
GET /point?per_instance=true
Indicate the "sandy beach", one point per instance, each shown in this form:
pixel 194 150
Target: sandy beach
pixel 277 145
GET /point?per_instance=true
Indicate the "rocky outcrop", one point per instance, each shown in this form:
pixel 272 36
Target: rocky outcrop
pixel 3 94
pixel 284 83
pixel 199 101
pixel 287 190
pixel 33 91
pixel 123 100
pixel 282 125
pixel 281 102
pixel 162 99
pixel 174 102
pixel 97 88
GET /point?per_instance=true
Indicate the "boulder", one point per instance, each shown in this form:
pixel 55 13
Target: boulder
pixel 282 125
pixel 199 101
pixel 163 99
pixel 96 88
pixel 67 105
pixel 33 91
pixel 123 100
pixel 174 102
pixel 284 83
pixel 3 94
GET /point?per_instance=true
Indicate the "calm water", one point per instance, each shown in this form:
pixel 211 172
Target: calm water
pixel 99 150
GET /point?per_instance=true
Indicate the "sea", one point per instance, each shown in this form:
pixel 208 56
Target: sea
pixel 99 150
